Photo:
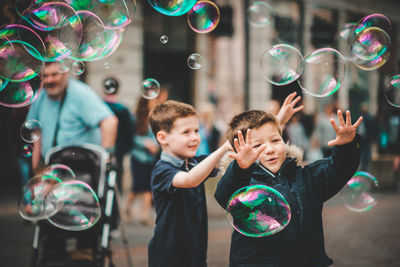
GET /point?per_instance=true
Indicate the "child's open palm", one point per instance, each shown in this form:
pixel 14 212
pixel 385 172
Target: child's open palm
pixel 245 154
pixel 345 131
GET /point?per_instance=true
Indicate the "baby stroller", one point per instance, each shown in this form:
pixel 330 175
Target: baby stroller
pixel 53 246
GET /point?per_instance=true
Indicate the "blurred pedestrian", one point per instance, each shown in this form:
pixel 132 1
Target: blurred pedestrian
pixel 144 154
pixel 209 133
pixel 123 141
pixel 70 112
pixel 369 130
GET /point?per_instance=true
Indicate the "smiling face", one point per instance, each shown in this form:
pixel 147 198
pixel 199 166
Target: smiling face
pixel 274 153
pixel 183 139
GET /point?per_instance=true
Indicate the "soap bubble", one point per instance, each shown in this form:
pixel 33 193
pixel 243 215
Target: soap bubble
pixel 27 151
pixel 195 61
pixel 20 94
pixel 172 7
pixel 258 210
pixel 392 91
pixel 31 131
pixel 203 17
pixel 78 67
pixel 259 14
pixel 327 68
pixel 60 171
pixel 79 206
pixel 150 88
pixel 370 49
pixel 280 65
pixel 110 86
pixel 31 204
pixel 164 39
pixel 358 193
pixel 373 20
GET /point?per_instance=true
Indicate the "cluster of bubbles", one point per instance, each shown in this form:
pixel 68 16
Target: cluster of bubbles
pixel 321 72
pixel 283 64
pixel 258 210
pixel 71 32
pixel 358 194
pixel 59 197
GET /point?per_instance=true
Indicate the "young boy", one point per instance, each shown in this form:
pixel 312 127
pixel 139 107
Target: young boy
pixel 180 236
pixel 263 158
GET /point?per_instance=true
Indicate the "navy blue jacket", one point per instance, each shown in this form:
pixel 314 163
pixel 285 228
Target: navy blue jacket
pixel 306 188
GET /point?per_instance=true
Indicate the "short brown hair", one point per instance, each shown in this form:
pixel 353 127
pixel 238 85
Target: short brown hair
pixel 163 116
pixel 251 119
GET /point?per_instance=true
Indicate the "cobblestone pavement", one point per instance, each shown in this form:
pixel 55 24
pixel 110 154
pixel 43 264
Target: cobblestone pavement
pixel 352 239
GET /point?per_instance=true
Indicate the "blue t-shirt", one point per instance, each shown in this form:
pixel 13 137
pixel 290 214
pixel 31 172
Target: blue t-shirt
pixel 180 236
pixel 80 117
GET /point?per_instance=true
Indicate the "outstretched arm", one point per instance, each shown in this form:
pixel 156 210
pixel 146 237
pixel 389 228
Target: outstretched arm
pixel 201 171
pixel 287 110
pixel 331 174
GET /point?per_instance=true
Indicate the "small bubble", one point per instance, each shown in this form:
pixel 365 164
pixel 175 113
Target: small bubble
pixel 164 39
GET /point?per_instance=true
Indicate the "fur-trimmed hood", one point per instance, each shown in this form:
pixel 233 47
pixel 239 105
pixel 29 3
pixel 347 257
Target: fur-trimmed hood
pixel 292 151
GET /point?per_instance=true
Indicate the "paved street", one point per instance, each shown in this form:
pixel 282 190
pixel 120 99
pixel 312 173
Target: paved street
pixel 352 239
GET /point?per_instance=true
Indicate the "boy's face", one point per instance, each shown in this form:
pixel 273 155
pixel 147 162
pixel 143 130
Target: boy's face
pixel 274 153
pixel 183 140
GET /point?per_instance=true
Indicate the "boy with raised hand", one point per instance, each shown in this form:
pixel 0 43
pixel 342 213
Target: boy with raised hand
pixel 180 235
pixel 263 158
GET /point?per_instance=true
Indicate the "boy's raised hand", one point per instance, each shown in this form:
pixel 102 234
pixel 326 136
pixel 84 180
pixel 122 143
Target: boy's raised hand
pixel 287 110
pixel 345 132
pixel 245 154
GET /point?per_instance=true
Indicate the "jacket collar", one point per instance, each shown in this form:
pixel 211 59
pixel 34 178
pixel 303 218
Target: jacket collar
pixel 177 162
pixel 286 167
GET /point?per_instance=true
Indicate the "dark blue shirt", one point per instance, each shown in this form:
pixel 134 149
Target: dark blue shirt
pixel 180 236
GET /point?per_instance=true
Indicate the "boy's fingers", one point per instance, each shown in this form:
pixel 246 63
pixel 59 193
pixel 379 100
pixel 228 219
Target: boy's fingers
pixel 340 117
pixel 298 108
pixel 240 138
pixel 236 144
pixel 332 143
pixel 260 149
pixel 335 127
pixel 348 118
pixel 248 139
pixel 296 100
pixel 358 122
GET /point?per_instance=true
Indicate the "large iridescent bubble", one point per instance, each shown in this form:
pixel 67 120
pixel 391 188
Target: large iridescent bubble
pixel 21 53
pixel 115 14
pixel 203 17
pixel 280 65
pixel 392 91
pixel 258 210
pixel 16 33
pixel 61 31
pixel 16 63
pixel 20 94
pixel 172 7
pixel 373 20
pixel 323 72
pixel 79 206
pixel 31 204
pixel 59 171
pixel 371 48
pixel 358 194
